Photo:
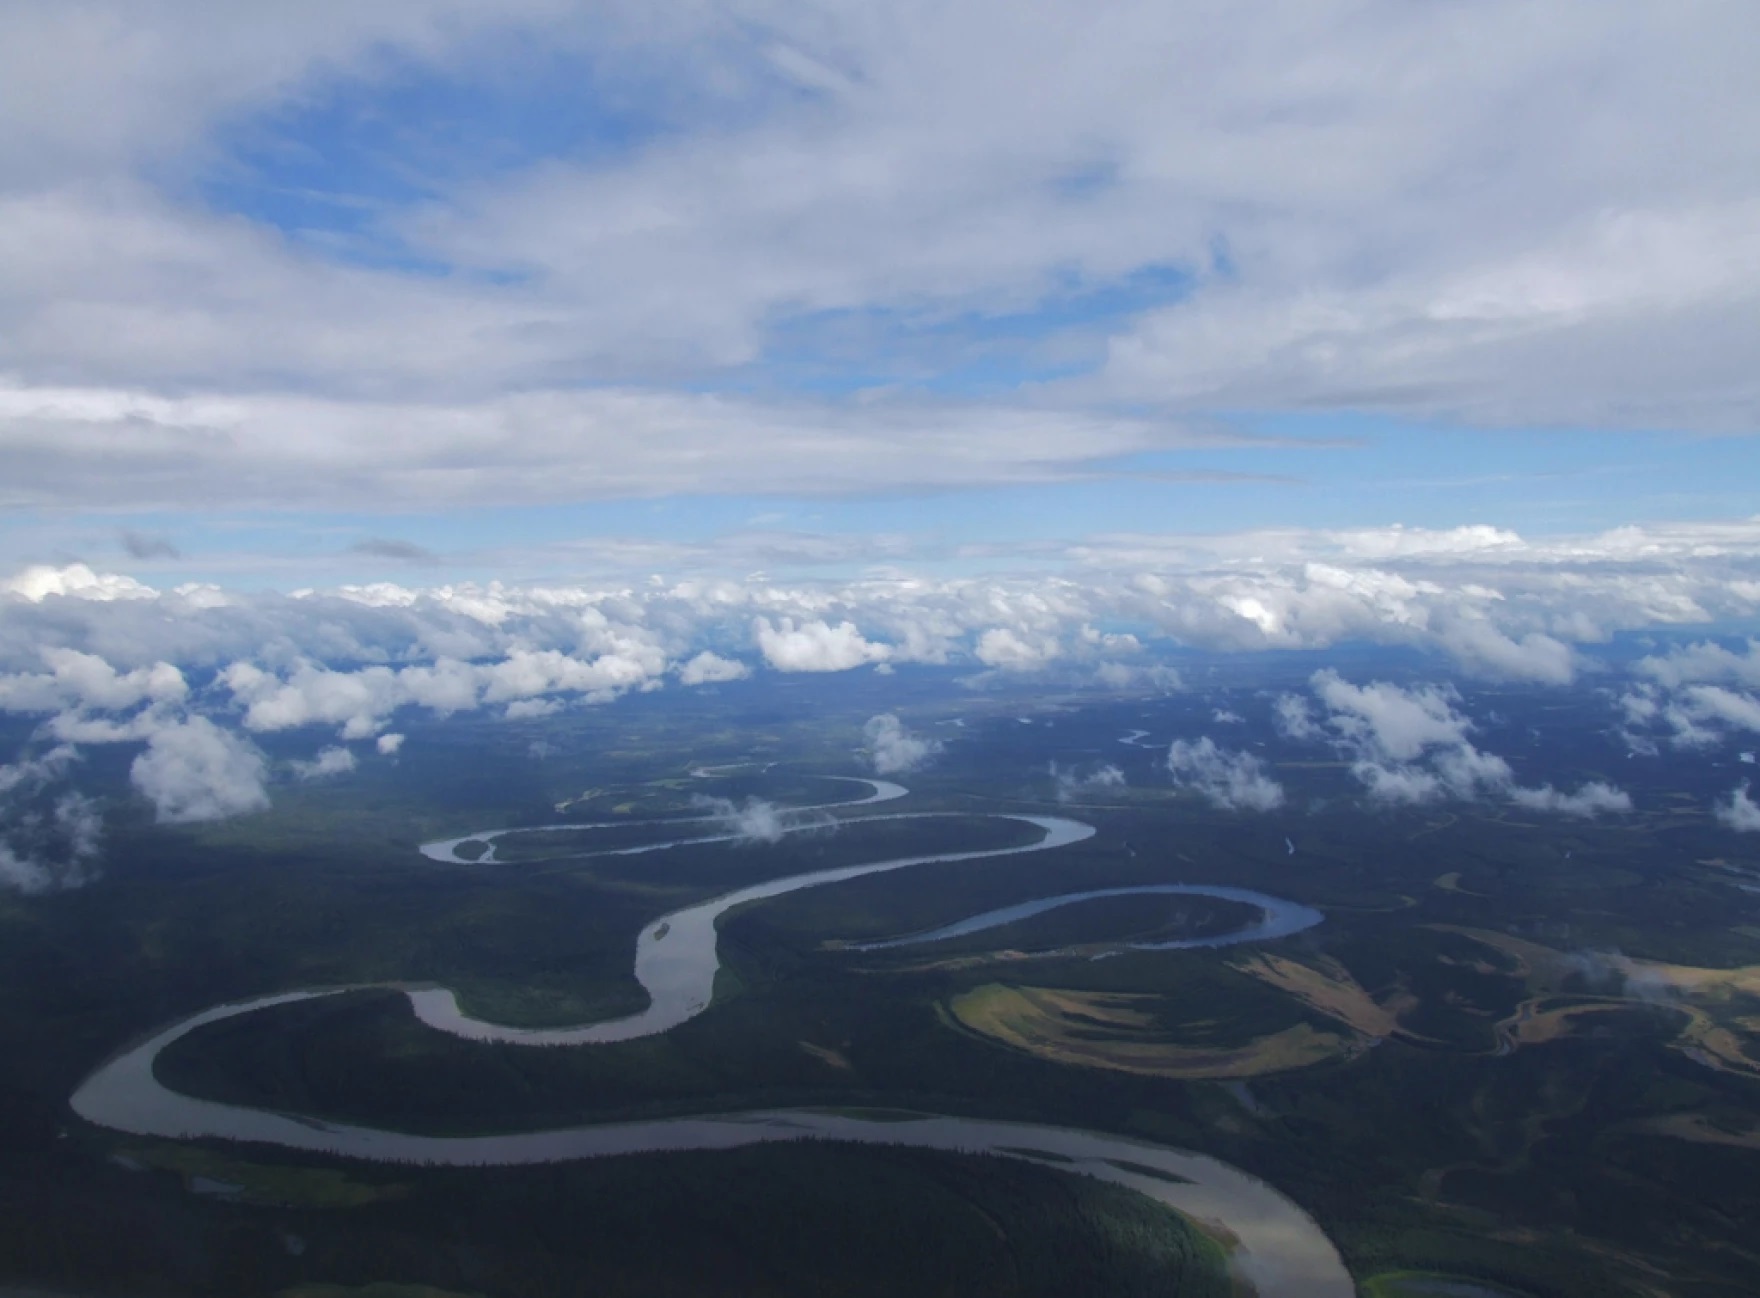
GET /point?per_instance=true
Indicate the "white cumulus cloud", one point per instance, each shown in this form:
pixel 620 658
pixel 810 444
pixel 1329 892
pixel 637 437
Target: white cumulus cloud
pixel 710 668
pixel 893 749
pixel 1232 780
pixel 1593 799
pixel 1071 783
pixel 815 645
pixel 1694 696
pixel 1008 650
pixel 194 771
pixel 1410 745
pixel 1741 813
pixel 335 760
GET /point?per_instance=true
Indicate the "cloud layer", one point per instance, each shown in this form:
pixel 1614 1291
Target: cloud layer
pixel 1170 211
pixel 100 658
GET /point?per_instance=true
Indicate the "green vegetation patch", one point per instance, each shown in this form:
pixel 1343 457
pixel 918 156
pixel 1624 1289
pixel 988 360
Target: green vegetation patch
pixel 266 1183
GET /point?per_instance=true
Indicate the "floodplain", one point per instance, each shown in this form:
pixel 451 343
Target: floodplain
pixel 1517 1055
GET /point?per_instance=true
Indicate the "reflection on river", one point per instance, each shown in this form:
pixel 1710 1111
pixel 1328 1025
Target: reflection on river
pixel 1277 917
pixel 446 850
pixel 1281 1251
pixel 678 957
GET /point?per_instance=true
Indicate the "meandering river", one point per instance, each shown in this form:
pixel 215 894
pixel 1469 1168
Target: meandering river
pixel 1280 1249
pixel 678 956
pixel 1277 917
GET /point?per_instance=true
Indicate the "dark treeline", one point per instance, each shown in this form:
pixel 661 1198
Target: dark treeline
pixel 817 1219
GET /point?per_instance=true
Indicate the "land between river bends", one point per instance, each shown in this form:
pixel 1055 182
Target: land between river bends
pixel 1275 1246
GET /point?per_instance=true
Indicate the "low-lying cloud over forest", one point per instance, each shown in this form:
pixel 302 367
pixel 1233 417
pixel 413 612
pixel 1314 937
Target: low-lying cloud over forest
pixel 191 677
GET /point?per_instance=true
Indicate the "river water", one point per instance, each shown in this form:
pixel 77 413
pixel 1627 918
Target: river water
pixel 1278 917
pixel 1281 1251
pixel 678 956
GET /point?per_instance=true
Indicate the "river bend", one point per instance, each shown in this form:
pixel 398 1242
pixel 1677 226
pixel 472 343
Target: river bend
pixel 1281 1251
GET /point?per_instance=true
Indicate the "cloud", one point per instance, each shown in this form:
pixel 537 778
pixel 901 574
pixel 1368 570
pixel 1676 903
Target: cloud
pixel 894 750
pixel 1388 722
pixel 1592 799
pixel 815 646
pixel 1234 781
pixel 1704 662
pixel 361 702
pixel 894 184
pixel 528 673
pixel 1072 783
pixel 86 681
pixel 34 772
pixel 1223 717
pixel 1252 592
pixel 529 446
pixel 357 701
pixel 1400 784
pixel 58 851
pixel 1717 704
pixel 709 669
pixel 1485 651
pixel 388 745
pixel 1128 676
pixel 195 771
pixel 49 840
pixel 41 581
pixel 1497 337
pixel 378 547
pixel 103 659
pixel 143 545
pixel 1741 813
pixel 758 821
pixel 1688 700
pixel 1003 648
pixel 329 761
pixel 1410 745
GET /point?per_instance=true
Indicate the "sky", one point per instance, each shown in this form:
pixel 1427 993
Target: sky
pixel 1073 331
